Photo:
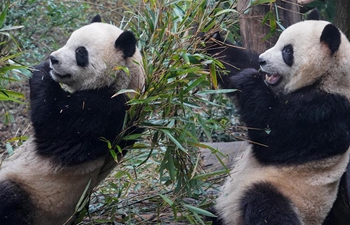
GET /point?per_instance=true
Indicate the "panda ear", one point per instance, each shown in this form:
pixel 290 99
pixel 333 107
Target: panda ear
pixel 331 36
pixel 127 43
pixel 217 36
pixel 96 19
pixel 313 15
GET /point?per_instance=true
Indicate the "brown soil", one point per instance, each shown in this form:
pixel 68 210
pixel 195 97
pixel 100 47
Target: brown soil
pixel 20 112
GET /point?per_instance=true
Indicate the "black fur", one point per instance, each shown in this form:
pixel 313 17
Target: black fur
pixel 214 220
pixel 81 56
pixel 331 37
pixel 69 127
pixel 127 43
pixel 340 213
pixel 287 55
pixel 263 204
pixel 15 206
pixel 256 99
pixel 54 60
pixel 313 15
pixel 311 121
pixel 96 19
pixel 233 57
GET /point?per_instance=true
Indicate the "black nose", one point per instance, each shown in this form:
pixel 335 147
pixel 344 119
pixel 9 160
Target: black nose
pixel 262 61
pixel 54 60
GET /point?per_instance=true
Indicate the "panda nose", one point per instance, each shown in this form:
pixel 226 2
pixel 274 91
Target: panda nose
pixel 54 60
pixel 262 61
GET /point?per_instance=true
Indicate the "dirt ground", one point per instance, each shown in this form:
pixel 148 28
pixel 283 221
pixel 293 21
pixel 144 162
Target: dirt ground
pixel 20 112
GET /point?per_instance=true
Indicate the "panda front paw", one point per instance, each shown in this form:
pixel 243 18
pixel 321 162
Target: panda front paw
pixel 41 83
pixel 245 78
pixel 41 70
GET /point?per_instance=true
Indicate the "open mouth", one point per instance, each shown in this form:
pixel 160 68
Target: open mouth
pixel 273 79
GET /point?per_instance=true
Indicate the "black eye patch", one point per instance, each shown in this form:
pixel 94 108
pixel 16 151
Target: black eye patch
pixel 288 54
pixel 82 56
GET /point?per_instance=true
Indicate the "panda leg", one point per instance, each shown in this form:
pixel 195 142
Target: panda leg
pixel 263 204
pixel 15 206
pixel 340 212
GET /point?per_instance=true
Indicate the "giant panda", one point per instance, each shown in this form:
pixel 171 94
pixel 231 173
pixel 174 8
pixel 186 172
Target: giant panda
pixel 43 181
pixel 300 136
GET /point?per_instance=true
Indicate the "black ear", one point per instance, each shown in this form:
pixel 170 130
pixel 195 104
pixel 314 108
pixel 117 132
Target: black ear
pixel 313 15
pixel 96 19
pixel 217 36
pixel 127 43
pixel 331 36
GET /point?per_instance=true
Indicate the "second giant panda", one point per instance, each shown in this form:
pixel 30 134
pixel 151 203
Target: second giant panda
pixel 42 182
pixel 300 119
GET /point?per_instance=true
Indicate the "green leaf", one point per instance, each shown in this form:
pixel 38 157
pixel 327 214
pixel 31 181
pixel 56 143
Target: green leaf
pixel 121 173
pixel 6 95
pixel 123 91
pixel 266 17
pixel 198 210
pixel 194 84
pixel 204 127
pixel 209 26
pixel 9 148
pixel 211 174
pixel 219 91
pixel 84 198
pixel 4 69
pixel 173 139
pixel 213 75
pixel 8 118
pixel 11 28
pixel 12 94
pixel 225 11
pixel 259 2
pixel 102 221
pixel 167 200
pixel 19 138
pixel 3 16
pixel 272 22
pixel 132 137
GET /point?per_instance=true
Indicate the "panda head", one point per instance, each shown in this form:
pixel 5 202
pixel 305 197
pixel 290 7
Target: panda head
pixel 307 53
pixel 98 55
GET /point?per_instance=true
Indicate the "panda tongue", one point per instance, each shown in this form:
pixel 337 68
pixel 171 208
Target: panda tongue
pixel 272 79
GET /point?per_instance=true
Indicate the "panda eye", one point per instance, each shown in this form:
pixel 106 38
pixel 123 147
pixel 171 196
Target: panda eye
pixel 288 55
pixel 82 56
pixel 288 49
pixel 81 50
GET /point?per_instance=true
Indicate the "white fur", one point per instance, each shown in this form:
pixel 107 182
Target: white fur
pixel 105 61
pixel 312 60
pixel 311 187
pixel 54 190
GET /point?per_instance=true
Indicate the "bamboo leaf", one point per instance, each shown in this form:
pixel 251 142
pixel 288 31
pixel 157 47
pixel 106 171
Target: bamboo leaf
pixel 167 200
pixel 199 210
pixel 83 199
pixel 211 174
pixel 225 11
pixel 9 148
pixel 259 2
pixel 219 91
pixel 3 16
pixel 213 76
pixel 173 139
